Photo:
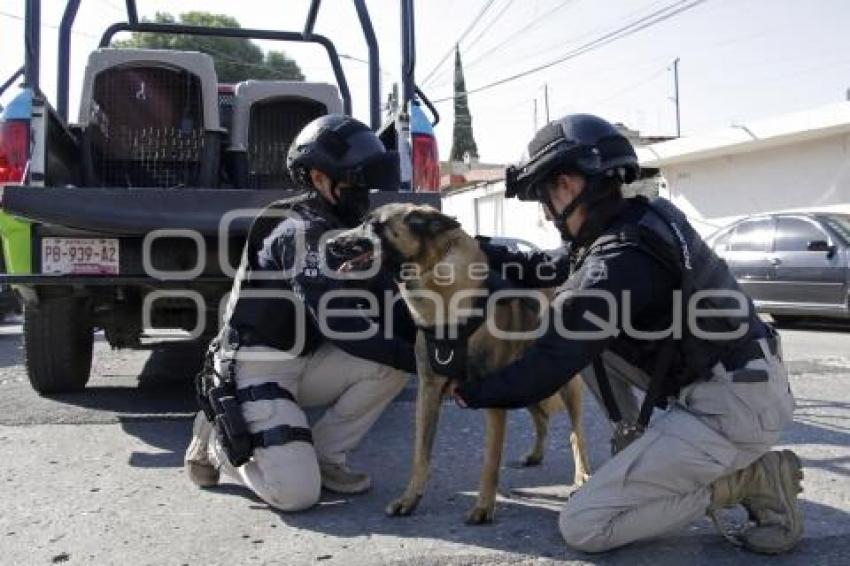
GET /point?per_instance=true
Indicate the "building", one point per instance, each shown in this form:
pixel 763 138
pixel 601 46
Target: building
pixel 474 194
pixel 793 162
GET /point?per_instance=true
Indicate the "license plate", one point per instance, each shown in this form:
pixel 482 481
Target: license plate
pixel 79 256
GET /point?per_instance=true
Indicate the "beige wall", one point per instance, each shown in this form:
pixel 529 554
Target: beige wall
pixel 518 219
pixel 808 175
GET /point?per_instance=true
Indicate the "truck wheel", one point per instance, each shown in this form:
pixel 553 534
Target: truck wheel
pixel 58 340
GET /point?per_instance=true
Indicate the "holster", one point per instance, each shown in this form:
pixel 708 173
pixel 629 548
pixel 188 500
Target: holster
pixel 230 425
pixel 221 401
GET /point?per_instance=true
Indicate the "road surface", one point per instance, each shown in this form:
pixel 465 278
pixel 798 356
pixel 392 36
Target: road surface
pixel 97 478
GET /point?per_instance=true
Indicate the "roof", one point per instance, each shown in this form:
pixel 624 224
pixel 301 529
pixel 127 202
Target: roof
pixel 474 177
pixel 780 130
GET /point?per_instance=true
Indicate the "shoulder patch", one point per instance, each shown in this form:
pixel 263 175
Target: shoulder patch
pixel 595 270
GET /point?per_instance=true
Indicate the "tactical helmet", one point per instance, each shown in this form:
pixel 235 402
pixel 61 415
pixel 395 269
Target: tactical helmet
pixel 346 150
pixel 580 143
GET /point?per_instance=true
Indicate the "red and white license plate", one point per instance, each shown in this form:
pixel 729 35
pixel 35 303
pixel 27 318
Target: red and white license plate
pixel 79 256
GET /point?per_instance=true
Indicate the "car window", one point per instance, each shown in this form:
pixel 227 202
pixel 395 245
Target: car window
pixel 840 223
pixel 752 236
pixel 794 235
pixel 721 241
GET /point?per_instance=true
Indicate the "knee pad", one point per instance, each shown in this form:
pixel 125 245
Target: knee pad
pixel 289 477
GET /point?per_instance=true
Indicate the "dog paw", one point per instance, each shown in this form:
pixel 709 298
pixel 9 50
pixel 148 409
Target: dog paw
pixel 532 460
pixel 528 462
pixel 581 479
pixel 480 515
pixel 402 506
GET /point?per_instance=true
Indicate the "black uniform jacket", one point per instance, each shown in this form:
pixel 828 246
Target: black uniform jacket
pixel 292 259
pixel 612 289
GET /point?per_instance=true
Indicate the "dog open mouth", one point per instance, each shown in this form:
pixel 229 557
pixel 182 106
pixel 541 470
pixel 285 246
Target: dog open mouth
pixel 360 262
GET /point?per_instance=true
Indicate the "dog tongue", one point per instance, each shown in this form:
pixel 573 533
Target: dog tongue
pixel 355 262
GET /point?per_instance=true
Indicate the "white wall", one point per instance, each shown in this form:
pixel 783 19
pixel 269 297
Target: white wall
pixel 806 175
pixel 518 219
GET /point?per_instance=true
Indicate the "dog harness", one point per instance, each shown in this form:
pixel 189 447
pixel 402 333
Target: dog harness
pixel 448 345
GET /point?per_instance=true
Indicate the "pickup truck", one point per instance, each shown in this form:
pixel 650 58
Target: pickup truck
pixel 133 217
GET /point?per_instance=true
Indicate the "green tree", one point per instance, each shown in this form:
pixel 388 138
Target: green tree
pixel 236 59
pixel 463 142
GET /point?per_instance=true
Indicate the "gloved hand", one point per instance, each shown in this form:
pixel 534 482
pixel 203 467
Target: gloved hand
pixel 454 392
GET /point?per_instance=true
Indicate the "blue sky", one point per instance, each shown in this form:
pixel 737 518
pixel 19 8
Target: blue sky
pixel 740 59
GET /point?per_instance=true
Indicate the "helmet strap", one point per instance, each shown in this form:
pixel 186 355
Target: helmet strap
pixel 560 219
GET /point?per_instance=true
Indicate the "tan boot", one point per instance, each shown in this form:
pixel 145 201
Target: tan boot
pixel 199 468
pixel 768 489
pixel 340 479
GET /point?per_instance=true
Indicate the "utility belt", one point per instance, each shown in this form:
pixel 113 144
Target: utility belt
pixel 221 401
pixel 734 362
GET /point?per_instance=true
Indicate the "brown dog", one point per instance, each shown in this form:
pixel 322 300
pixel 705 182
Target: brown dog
pixel 436 262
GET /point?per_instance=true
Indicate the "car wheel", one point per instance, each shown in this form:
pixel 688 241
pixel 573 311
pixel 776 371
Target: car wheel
pixel 58 340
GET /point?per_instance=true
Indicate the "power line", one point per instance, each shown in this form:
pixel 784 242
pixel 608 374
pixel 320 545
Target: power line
pixel 446 73
pixel 560 43
pixel 45 25
pixel 510 38
pixel 504 9
pixel 619 33
pixel 459 39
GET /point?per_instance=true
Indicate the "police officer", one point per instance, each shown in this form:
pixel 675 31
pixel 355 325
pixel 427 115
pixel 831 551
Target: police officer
pixel 281 349
pixel 638 270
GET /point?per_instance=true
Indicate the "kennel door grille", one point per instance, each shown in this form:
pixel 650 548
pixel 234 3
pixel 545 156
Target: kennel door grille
pixel 147 127
pixel 272 127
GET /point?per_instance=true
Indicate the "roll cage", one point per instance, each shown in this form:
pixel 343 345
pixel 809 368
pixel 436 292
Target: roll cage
pixel 32 33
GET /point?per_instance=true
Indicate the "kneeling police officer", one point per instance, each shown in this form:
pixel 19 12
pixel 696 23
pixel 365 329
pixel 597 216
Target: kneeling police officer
pixel 634 312
pixel 274 355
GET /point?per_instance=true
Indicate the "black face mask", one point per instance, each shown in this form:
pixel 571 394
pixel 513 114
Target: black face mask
pixel 352 204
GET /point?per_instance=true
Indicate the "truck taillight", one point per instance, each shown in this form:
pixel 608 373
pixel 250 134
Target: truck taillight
pixel 426 163
pixel 14 139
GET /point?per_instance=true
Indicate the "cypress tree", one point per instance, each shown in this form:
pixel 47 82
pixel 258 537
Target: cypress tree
pixel 463 141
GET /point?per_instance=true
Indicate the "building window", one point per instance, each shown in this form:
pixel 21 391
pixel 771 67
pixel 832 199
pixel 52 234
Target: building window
pixel 488 215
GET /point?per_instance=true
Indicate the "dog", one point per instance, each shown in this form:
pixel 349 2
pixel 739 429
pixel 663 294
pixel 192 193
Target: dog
pixel 421 246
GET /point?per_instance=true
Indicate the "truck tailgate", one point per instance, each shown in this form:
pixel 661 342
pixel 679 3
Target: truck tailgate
pixel 138 211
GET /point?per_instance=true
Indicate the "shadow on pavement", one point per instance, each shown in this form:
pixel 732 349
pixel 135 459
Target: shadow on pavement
pixel 165 386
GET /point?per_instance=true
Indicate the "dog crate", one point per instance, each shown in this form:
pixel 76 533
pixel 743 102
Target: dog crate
pixel 150 118
pixel 267 115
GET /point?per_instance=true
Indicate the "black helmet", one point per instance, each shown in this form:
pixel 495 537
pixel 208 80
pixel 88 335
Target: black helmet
pixel 581 143
pixel 346 150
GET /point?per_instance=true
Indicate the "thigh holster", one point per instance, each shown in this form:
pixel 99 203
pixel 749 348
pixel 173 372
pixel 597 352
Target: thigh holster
pixel 221 401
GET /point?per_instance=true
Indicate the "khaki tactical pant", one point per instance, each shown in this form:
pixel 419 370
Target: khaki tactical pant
pixel 356 392
pixel 661 481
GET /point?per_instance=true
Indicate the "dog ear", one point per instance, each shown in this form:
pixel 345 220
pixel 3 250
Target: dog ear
pixel 427 223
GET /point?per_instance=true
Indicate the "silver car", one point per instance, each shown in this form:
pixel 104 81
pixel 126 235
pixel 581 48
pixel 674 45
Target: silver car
pixel 792 265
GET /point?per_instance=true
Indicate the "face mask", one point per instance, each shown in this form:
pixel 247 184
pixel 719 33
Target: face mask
pixel 352 204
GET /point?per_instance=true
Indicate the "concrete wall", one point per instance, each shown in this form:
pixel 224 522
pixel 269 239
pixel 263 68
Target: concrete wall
pixel 516 219
pixel 806 175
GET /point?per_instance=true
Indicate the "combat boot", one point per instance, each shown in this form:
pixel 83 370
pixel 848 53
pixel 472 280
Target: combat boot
pixel 340 479
pixel 199 467
pixel 768 490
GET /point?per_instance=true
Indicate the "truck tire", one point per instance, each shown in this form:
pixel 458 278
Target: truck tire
pixel 58 342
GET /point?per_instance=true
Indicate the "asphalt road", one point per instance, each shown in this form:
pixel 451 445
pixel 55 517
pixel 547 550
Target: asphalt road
pixel 96 478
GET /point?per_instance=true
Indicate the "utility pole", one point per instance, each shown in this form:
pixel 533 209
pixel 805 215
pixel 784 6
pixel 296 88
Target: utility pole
pixel 676 97
pixel 546 99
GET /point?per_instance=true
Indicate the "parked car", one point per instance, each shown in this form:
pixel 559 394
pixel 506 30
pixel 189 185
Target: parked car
pixel 793 265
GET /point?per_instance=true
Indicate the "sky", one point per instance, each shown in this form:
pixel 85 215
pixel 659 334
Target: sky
pixel 740 60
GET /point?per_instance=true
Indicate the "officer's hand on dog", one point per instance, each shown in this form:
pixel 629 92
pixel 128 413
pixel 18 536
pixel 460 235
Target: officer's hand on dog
pixel 454 392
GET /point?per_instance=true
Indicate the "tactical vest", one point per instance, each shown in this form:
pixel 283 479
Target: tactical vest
pixel 663 232
pixel 265 320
